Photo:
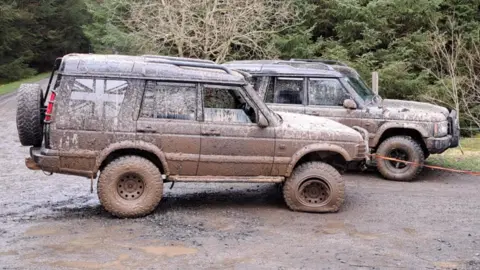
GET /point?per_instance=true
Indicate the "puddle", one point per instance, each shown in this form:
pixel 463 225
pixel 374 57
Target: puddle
pixel 363 235
pixel 42 231
pixel 338 226
pixel 9 253
pixel 333 227
pixel 447 265
pixel 410 231
pixel 169 251
pixel 117 264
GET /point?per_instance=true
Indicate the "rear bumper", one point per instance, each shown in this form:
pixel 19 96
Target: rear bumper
pixel 362 150
pixel 49 161
pixel 44 160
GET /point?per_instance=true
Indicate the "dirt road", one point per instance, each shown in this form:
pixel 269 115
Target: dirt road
pixel 54 222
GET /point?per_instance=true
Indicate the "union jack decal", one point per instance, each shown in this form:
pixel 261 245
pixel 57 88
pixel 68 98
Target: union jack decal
pixel 97 97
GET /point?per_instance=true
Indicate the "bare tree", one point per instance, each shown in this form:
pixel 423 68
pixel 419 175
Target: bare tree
pixel 456 67
pixel 209 29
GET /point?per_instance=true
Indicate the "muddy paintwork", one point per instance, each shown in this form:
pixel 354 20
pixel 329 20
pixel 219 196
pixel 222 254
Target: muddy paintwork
pixel 107 106
pixel 436 126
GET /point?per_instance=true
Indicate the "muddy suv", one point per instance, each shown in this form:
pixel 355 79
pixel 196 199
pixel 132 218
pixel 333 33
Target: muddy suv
pixel 140 121
pixel 402 130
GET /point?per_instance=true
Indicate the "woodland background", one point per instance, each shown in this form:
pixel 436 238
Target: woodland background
pixel 424 50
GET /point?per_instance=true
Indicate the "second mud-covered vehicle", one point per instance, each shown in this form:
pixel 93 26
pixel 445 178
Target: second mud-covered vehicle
pixel 140 121
pixel 398 129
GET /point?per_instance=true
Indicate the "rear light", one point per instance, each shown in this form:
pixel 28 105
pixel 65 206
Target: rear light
pixel 48 113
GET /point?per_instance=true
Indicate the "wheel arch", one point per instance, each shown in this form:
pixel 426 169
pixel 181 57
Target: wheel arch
pixel 415 133
pixel 331 154
pixel 142 149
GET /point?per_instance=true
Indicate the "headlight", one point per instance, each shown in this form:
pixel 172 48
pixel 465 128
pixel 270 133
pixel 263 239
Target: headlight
pixel 440 129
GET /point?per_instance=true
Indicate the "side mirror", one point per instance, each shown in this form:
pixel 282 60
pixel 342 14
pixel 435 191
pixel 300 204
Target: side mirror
pixel 262 121
pixel 349 104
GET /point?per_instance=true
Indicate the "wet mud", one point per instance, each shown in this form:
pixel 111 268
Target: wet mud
pixel 54 222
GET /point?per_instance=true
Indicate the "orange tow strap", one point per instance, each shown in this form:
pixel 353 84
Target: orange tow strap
pixel 427 166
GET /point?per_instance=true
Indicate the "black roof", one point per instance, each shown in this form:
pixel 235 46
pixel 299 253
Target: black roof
pixel 148 66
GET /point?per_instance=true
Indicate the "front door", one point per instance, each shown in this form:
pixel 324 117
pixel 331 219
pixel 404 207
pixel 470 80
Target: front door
pixel 168 119
pixel 325 99
pixel 232 142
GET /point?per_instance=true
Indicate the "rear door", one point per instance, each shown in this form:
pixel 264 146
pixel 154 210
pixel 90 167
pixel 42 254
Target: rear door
pixel 285 94
pixel 168 119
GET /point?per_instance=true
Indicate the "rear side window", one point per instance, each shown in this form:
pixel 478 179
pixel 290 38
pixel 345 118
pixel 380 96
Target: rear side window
pixel 169 101
pixel 325 91
pixel 287 91
pixel 97 98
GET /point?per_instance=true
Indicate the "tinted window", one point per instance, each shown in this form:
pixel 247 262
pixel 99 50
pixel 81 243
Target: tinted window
pixel 169 101
pixel 270 90
pixel 288 91
pixel 324 91
pixel 97 98
pixel 224 104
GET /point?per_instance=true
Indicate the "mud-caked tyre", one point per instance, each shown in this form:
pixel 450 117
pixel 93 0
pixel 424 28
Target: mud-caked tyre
pixel 29 114
pixel 402 148
pixel 314 187
pixel 130 186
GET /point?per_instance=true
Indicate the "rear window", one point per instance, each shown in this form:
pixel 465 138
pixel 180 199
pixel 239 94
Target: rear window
pixel 169 101
pixel 286 91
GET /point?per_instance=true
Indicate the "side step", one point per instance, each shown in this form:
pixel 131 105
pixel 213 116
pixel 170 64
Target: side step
pixel 227 179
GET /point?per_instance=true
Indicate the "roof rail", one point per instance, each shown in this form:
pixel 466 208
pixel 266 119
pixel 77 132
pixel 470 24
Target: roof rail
pixel 188 63
pixel 179 58
pixel 325 61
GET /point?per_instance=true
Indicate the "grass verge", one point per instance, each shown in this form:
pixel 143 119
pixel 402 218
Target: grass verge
pixel 453 158
pixel 10 87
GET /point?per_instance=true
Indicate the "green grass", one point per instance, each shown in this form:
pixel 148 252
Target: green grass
pixel 10 87
pixel 453 158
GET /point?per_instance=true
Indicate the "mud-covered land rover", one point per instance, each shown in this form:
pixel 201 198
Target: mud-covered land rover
pixel 139 121
pixel 404 130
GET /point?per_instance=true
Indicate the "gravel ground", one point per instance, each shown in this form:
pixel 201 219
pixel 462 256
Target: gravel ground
pixel 54 222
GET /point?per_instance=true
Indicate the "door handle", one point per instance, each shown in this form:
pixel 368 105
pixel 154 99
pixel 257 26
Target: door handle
pixel 211 132
pixel 147 129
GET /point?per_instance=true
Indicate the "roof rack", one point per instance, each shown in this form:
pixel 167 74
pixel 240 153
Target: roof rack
pixel 179 58
pixel 325 61
pixel 186 62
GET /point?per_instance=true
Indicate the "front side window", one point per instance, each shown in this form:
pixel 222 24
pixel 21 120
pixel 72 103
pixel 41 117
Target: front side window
pixel 287 91
pixel 360 87
pixel 169 101
pixel 225 104
pixel 97 98
pixel 325 91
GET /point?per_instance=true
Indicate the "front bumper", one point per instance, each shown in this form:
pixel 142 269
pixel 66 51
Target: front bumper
pixel 454 128
pixel 438 145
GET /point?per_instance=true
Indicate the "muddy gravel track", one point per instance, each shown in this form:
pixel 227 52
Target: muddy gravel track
pixel 54 222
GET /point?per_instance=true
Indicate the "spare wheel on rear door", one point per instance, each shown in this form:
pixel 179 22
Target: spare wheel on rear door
pixel 29 115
